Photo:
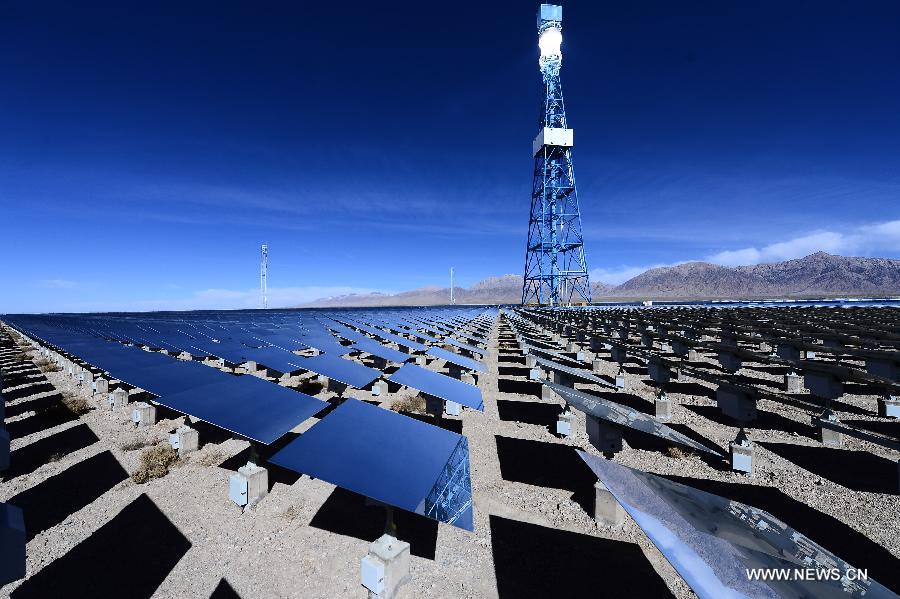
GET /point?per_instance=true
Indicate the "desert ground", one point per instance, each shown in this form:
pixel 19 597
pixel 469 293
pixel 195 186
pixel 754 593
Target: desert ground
pixel 94 531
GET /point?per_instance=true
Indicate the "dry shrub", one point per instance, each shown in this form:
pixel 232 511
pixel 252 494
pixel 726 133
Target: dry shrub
pixel 155 463
pixel 679 452
pixel 414 404
pixel 20 357
pixel 62 411
pixel 41 362
pixel 291 513
pixel 211 458
pixel 54 457
pixel 76 405
pixel 135 445
pixel 50 368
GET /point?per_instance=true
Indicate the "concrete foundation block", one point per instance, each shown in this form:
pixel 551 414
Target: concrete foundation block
pixel 117 399
pixel 379 388
pixel 249 485
pixel 184 440
pixel 548 394
pixel 889 406
pixel 831 438
pixel 620 379
pixel 535 374
pixel 468 378
pixel 742 457
pixel 564 424
pixel 597 366
pixel 793 383
pixel 452 408
pixel 605 436
pixel 143 414
pixel 530 361
pixel 421 361
pixel 663 408
pixel 386 568
pixel 607 511
pixel 101 386
pixel 12 543
pixel 693 355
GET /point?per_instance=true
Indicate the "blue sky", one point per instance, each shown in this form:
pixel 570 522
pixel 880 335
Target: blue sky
pixel 148 149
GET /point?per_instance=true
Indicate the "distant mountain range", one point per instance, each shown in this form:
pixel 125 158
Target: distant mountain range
pixel 815 276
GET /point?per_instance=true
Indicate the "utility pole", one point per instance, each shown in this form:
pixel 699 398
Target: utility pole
pixel 452 301
pixel 264 274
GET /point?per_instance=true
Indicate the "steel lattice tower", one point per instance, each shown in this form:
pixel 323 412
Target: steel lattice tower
pixel 555 268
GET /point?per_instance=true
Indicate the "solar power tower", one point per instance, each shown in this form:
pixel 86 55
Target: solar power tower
pixel 555 268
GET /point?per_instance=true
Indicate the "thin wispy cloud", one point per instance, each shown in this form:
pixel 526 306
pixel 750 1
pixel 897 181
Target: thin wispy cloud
pixel 868 240
pixel 57 284
pixel 878 239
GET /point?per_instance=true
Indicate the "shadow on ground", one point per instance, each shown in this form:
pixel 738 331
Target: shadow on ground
pixel 129 556
pixel 37 404
pixel 39 386
pixel 519 387
pixel 346 513
pixel 857 470
pixel 513 371
pixel 41 421
pixel 223 590
pixel 447 423
pixel 882 427
pixel 536 561
pixel 54 499
pixel 529 412
pixel 543 464
pixel 29 458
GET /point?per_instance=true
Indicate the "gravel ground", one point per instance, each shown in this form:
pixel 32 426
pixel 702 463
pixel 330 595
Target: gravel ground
pixel 534 530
